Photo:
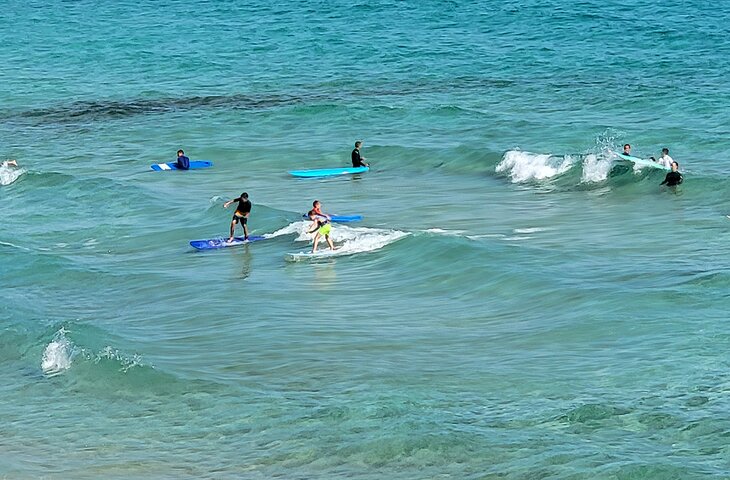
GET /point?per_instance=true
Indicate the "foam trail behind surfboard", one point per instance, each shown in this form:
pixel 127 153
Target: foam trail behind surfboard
pixel 348 241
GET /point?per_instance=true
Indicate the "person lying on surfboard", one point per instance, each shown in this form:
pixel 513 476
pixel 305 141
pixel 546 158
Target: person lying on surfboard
pixel 357 160
pixel 183 162
pixel 240 215
pixel 321 224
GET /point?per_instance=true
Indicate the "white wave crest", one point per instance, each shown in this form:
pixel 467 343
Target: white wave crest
pixel 595 169
pixel 350 240
pixel 526 166
pixel 58 355
pixel 9 174
pixel 298 228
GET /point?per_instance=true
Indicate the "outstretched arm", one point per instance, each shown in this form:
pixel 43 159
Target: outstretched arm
pixel 225 205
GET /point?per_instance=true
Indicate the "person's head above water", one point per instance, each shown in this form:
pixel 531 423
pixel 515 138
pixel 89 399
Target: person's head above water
pixel 675 166
pixel 627 149
pixel 315 204
pixel 358 144
pixel 180 153
pixel 665 151
pixel 244 195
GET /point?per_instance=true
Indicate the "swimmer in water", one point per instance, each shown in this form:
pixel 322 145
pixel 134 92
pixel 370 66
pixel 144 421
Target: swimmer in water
pixel 673 178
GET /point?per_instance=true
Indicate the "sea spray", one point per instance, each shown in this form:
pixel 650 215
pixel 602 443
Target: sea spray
pixel 58 355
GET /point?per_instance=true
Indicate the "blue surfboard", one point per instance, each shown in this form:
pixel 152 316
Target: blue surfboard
pixel 159 167
pixel 327 172
pixel 213 243
pixel 342 218
pixel 641 163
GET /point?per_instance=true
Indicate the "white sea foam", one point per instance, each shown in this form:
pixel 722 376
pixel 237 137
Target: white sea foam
pixel 596 169
pixel 348 240
pixel 529 230
pixel 58 355
pixel 441 231
pixel 10 174
pixel 526 166
pixel 298 228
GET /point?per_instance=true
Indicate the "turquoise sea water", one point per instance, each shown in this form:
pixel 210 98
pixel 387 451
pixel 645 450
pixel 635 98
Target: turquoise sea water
pixel 514 305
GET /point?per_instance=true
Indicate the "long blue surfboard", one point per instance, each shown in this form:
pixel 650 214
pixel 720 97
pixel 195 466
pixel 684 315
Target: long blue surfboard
pixel 214 243
pixel 327 172
pixel 641 163
pixel 159 167
pixel 342 218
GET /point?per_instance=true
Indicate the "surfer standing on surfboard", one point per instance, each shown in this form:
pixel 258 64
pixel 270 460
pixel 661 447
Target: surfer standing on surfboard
pixel 321 224
pixel 240 215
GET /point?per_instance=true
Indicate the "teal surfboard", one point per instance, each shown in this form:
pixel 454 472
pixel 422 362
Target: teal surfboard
pixel 327 172
pixel 641 163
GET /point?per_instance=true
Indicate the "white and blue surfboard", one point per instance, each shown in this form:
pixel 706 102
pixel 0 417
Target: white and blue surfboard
pixel 327 172
pixel 214 243
pixel 194 165
pixel 641 163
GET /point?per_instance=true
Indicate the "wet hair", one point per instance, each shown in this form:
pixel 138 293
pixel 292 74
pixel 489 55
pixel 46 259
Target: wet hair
pixel 665 150
pixel 357 144
pixel 627 145
pixel 314 203
pixel 244 195
pixel 180 151
pixel 675 163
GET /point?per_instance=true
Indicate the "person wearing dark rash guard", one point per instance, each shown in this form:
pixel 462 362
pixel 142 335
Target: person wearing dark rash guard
pixel 357 160
pixel 321 224
pixel 673 178
pixel 240 215
pixel 627 150
pixel 183 162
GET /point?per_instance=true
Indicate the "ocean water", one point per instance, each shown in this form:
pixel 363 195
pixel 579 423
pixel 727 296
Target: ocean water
pixel 516 304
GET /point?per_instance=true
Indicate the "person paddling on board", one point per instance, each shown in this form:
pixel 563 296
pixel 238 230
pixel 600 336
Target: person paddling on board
pixel 183 162
pixel 240 215
pixel 673 178
pixel 321 224
pixel 357 160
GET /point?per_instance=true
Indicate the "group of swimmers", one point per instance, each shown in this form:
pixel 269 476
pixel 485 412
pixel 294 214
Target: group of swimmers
pixel 321 222
pixel 672 178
